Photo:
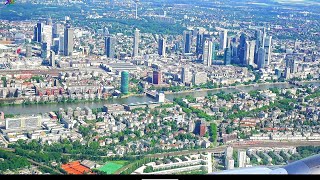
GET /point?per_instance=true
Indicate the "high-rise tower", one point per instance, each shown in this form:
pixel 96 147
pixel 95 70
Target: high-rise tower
pixel 38 32
pixel 242 45
pixel 68 40
pixel 136 12
pixel 52 59
pixel 136 42
pixel 223 39
pixel 267 48
pixel 162 47
pixel 207 52
pixel 125 82
pixel 261 58
pixel 110 46
pixel 187 40
pixel 227 56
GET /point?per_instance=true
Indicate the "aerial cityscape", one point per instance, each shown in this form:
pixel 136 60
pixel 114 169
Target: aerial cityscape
pixel 158 86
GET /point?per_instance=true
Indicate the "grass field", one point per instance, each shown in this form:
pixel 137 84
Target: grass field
pixel 112 167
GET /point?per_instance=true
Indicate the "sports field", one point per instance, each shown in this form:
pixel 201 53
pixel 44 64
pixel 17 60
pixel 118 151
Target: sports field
pixel 110 167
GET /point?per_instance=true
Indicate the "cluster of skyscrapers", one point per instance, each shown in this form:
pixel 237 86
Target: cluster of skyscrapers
pixel 110 43
pixel 54 39
pixel 237 50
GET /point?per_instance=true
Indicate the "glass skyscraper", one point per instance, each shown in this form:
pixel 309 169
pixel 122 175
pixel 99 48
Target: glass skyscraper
pixel 125 82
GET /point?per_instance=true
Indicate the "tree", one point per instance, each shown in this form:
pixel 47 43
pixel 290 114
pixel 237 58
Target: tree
pixel 94 145
pixel 213 132
pixel 85 131
pixel 309 77
pixel 229 130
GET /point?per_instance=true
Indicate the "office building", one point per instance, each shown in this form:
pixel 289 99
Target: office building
pixel 136 12
pixel 55 45
pixel 199 78
pixel 213 51
pixel 52 58
pixel 38 32
pixel 287 73
pixel 157 77
pixel 242 158
pixel 125 82
pixel 199 44
pixel 105 31
pixel 187 41
pixel 242 49
pixel 227 56
pixel 267 48
pixel 61 44
pixel 109 44
pixel 234 53
pixel 162 47
pixel 23 122
pixel 223 39
pixel 186 75
pixel 201 37
pixel 258 39
pixel 261 58
pixel 136 42
pixel 249 52
pixel 68 41
pixel 44 50
pixel 291 63
pixel 47 37
pixel 28 50
pixel 57 29
pixel 260 42
pixel 207 52
pixel 35 33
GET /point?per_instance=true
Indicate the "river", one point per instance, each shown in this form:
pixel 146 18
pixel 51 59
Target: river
pixel 44 108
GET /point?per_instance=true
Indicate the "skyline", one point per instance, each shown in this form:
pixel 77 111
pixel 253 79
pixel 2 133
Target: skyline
pixel 158 87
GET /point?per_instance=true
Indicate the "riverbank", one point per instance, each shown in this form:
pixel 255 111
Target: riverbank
pixel 67 101
pixel 239 86
pixel 142 98
pixel 227 87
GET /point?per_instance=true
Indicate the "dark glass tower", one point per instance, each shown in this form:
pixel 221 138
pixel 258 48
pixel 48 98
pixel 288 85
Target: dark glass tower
pixel 187 41
pixel 227 56
pixel 110 42
pixel 242 49
pixel 68 41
